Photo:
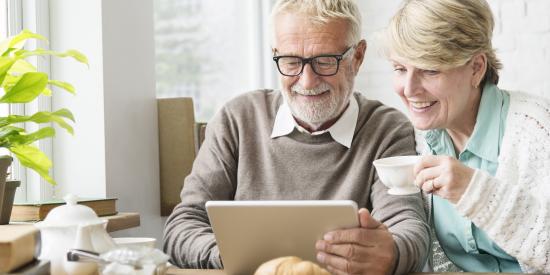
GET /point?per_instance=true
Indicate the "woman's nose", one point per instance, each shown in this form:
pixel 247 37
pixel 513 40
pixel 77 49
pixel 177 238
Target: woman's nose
pixel 411 85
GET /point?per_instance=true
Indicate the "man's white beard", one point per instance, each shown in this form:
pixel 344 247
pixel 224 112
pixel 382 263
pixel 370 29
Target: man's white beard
pixel 317 112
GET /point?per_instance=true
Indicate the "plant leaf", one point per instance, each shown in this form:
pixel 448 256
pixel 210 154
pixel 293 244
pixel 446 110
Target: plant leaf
pixel 58 117
pixel 4 47
pixel 47 92
pixel 22 36
pixel 76 55
pixel 5 132
pixel 17 41
pixel 26 89
pixel 10 81
pixel 65 113
pixel 43 133
pixel 31 157
pixel 80 57
pixel 5 121
pixel 20 139
pixel 65 85
pixel 21 66
pixel 43 117
pixel 63 124
pixel 5 64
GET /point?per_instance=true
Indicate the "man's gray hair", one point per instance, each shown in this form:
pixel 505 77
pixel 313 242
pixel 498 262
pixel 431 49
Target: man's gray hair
pixel 321 11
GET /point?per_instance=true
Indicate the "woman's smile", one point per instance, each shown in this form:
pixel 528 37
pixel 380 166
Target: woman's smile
pixel 421 106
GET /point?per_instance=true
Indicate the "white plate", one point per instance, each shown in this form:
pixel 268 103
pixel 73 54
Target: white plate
pixel 135 242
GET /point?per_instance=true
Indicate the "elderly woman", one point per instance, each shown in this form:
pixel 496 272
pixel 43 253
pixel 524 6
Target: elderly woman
pixel 488 168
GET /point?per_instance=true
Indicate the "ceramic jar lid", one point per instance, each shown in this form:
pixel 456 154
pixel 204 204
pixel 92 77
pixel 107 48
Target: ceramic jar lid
pixel 70 214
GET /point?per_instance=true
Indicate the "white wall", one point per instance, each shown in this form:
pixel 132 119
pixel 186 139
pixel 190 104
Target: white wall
pixel 114 151
pixel 80 159
pixel 374 78
pixel 131 131
pixel 521 37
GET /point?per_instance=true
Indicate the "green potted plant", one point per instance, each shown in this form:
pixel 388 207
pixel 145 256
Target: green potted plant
pixel 21 83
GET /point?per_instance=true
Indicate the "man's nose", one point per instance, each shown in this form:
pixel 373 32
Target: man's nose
pixel 309 79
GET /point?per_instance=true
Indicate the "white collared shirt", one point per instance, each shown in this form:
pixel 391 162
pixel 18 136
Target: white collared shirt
pixel 341 131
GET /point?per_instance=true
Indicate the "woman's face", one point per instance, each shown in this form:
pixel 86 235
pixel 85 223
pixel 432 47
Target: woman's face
pixel 439 99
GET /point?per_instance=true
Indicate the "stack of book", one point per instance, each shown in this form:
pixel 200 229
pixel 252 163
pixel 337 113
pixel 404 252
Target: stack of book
pixel 37 211
pixel 18 245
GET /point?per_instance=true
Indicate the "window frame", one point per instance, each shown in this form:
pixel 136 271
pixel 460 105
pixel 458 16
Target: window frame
pixel 32 15
pixel 4 21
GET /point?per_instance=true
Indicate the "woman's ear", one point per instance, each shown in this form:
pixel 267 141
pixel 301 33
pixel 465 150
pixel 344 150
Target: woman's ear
pixel 479 66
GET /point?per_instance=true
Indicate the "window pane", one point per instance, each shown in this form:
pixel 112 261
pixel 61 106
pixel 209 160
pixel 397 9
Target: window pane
pixel 4 109
pixel 3 20
pixel 208 50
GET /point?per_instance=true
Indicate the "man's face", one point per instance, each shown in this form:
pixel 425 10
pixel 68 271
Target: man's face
pixel 316 100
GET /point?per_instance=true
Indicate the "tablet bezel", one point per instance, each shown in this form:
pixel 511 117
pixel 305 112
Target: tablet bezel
pixel 244 229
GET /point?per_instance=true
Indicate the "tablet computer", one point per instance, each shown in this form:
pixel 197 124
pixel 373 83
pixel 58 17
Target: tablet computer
pixel 249 233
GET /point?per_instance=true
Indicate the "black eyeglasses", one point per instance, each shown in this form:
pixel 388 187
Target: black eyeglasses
pixel 323 65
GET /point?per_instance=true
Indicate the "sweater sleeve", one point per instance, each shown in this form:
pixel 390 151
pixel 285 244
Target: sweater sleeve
pixel 514 217
pixel 188 236
pixel 513 207
pixel 404 215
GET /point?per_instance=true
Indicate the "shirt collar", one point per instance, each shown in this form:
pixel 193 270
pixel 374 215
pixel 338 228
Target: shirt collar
pixel 439 142
pixel 483 141
pixel 342 131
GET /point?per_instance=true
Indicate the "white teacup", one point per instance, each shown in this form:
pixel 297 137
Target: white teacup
pixel 397 174
pixel 132 242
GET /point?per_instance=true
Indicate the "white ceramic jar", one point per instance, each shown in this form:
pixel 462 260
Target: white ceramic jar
pixel 72 226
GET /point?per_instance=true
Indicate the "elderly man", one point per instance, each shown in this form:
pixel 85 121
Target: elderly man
pixel 314 140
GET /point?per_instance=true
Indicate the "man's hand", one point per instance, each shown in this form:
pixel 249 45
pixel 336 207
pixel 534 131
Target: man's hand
pixel 443 176
pixel 367 249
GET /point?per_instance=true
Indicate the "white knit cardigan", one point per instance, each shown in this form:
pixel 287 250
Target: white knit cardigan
pixel 513 207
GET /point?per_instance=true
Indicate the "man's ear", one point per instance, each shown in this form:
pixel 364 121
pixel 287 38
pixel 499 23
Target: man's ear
pixel 359 55
pixel 479 66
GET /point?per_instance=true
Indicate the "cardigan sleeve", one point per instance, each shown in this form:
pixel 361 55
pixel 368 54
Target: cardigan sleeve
pixel 513 207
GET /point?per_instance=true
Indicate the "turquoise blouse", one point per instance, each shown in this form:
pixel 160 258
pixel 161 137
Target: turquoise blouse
pixel 464 244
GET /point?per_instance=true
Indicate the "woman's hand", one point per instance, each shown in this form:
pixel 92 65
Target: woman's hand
pixel 443 176
pixel 368 249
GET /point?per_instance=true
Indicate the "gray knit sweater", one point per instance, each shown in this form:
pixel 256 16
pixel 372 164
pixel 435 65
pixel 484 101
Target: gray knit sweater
pixel 240 161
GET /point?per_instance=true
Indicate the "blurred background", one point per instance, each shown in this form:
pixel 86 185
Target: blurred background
pixel 213 50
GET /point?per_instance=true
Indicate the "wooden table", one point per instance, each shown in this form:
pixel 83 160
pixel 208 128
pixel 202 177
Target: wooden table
pixel 121 221
pixel 176 271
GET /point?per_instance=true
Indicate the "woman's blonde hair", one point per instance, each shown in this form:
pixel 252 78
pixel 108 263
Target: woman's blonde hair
pixel 322 11
pixel 443 34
